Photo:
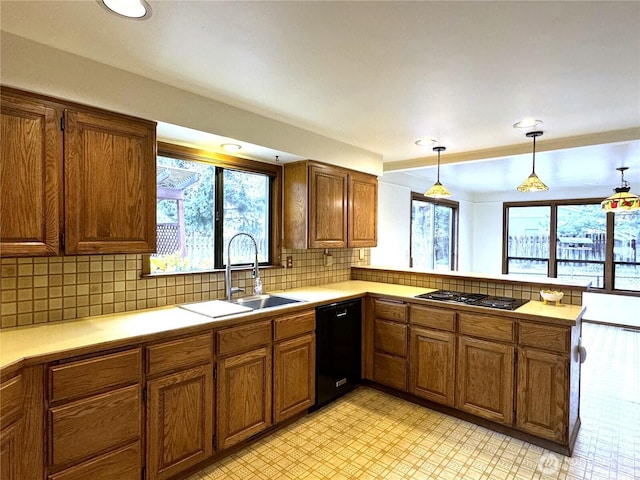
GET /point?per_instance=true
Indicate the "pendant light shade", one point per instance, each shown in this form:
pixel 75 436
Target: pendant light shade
pixel 622 200
pixel 438 190
pixel 532 183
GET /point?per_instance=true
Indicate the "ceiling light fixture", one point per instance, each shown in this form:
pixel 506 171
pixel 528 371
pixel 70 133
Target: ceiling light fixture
pixel 622 200
pixel 532 182
pixel 425 141
pixel 528 122
pixel 231 147
pixel 438 190
pixel 137 9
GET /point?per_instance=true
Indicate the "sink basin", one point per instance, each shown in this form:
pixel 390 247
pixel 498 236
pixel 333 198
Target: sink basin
pixel 257 302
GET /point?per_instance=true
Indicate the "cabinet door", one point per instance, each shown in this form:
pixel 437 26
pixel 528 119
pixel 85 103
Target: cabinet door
pixel 431 366
pixel 30 178
pixel 9 450
pixel 179 421
pixel 390 370
pixel 328 207
pixel 363 210
pixel 121 464
pixel 485 379
pixel 294 376
pixel 244 396
pixel 542 403
pixel 85 428
pixel 110 184
pixel 390 337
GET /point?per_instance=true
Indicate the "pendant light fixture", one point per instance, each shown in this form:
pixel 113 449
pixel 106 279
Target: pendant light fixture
pixel 532 182
pixel 438 190
pixel 622 200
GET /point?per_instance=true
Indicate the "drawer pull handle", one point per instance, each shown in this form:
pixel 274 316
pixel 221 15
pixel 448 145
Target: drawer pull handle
pixel 339 383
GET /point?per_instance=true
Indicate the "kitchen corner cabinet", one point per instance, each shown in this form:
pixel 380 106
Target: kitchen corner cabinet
pixel 94 418
pixel 11 397
pixel 328 207
pixel 244 382
pixel 102 161
pixel 294 356
pixel 180 405
pixel 432 358
pixel 22 425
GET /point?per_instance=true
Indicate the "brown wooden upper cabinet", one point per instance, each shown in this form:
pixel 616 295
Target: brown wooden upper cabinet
pixel 105 164
pixel 30 177
pixel 329 207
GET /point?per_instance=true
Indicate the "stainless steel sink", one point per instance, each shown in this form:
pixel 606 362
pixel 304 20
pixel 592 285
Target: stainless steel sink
pixel 257 302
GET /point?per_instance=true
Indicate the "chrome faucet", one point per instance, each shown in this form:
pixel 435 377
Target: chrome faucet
pixel 257 286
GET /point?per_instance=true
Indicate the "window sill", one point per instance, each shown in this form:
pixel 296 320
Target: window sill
pixel 208 272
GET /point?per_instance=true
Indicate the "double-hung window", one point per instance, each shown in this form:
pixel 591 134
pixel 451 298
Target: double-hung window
pixel 203 200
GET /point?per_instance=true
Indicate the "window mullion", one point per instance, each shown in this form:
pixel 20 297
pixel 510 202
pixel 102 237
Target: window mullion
pixel 218 203
pixel 552 268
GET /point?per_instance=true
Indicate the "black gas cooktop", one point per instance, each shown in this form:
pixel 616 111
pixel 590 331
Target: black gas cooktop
pixel 477 299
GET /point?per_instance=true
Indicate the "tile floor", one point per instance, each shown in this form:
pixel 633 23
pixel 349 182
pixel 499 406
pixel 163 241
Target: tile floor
pixel 370 435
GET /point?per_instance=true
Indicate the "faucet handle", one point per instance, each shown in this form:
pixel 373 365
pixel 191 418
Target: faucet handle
pixel 236 290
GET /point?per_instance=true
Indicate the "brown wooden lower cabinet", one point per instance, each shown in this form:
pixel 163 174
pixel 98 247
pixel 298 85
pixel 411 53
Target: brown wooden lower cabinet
pixel 542 400
pixel 95 422
pixel 485 379
pixel 180 421
pixel 244 396
pixel 91 426
pixel 432 365
pixel 121 464
pixel 293 376
pixel 9 448
pixel 390 370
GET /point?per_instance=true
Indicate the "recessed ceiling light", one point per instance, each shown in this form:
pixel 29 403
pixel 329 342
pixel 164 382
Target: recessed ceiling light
pixel 137 9
pixel 426 141
pixel 529 122
pixel 231 147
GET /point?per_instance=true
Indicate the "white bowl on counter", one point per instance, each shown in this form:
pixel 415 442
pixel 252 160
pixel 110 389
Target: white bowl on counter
pixel 551 296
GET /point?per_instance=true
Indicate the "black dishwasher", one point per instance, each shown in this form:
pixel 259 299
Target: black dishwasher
pixel 338 350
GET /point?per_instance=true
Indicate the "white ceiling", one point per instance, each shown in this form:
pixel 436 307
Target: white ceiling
pixel 379 75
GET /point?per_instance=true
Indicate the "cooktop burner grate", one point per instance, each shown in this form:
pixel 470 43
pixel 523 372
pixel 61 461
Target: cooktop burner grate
pixel 479 299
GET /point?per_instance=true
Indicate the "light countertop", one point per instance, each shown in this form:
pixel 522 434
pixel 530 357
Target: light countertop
pixel 35 344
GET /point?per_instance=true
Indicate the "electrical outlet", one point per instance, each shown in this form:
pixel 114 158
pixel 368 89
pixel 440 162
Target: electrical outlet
pixel 361 254
pixel 289 261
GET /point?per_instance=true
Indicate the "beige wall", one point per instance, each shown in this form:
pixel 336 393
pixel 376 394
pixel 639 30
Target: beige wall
pixel 39 68
pixel 49 289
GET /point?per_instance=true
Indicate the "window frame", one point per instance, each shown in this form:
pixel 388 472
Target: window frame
pixel 552 271
pixel 455 207
pixel 228 162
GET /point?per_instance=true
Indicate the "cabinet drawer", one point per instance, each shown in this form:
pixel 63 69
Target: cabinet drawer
pixel 390 311
pixel 179 354
pixel 390 370
pixel 243 337
pixel 10 400
pixel 293 325
pixel 91 426
pixel 390 337
pixel 484 326
pixel 433 318
pixel 95 375
pixel 121 464
pixel 547 337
